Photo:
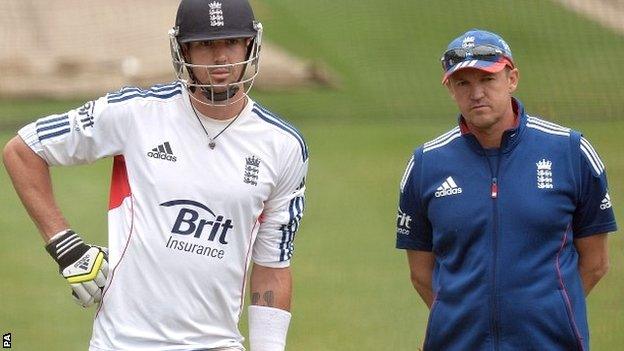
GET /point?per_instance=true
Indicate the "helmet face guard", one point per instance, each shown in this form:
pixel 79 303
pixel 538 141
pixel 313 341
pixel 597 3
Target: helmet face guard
pixel 198 21
pixel 217 94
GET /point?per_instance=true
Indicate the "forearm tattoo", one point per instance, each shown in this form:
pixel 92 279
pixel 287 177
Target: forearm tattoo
pixel 255 298
pixel 268 298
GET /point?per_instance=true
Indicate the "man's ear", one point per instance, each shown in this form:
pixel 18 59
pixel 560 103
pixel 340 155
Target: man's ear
pixel 449 88
pixel 513 77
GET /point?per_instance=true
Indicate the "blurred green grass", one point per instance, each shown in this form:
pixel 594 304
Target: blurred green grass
pixel 352 290
pixel 386 55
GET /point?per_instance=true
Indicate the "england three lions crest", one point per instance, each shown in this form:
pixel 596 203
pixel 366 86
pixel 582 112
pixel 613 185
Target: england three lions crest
pixel 216 14
pixel 544 174
pixel 252 170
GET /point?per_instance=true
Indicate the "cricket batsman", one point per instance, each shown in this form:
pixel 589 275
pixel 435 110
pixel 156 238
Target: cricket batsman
pixel 206 182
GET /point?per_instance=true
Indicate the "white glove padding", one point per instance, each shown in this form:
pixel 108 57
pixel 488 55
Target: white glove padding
pixel 85 267
pixel 87 276
pixel 268 328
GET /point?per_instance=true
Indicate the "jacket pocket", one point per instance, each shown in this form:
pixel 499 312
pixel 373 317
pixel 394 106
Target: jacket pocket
pixel 573 334
pixel 539 321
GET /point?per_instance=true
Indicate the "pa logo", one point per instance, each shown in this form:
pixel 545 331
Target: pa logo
pixel 6 341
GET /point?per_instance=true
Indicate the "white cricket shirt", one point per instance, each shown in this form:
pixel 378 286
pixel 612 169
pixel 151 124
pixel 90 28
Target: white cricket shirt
pixel 184 220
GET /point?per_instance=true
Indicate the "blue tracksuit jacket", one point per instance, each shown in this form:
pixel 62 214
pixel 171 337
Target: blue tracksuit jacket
pixel 501 224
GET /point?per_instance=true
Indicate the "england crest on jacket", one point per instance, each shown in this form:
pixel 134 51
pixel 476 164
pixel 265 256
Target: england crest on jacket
pixel 544 174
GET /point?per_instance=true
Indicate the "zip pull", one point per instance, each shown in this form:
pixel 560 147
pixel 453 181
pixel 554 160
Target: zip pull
pixel 494 188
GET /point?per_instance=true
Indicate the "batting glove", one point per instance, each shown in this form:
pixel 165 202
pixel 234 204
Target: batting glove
pixel 85 267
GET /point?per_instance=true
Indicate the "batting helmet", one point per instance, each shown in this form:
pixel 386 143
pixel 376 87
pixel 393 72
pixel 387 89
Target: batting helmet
pixel 205 20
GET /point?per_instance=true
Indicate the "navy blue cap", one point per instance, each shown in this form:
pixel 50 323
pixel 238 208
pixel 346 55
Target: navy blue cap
pixel 474 38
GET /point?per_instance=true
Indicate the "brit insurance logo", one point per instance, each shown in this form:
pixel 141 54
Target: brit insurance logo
pixel 86 115
pixel 544 174
pixel 163 152
pixel 403 222
pixel 197 229
pixel 606 202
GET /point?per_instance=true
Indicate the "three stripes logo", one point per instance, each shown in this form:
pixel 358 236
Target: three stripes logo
pixel 448 187
pixel 83 263
pixel 606 202
pixel 163 152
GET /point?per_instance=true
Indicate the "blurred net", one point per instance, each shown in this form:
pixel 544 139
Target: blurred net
pixel 68 48
pixel 569 56
pixel 384 54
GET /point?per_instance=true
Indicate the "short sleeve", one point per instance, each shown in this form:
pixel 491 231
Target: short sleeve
pixel 282 212
pixel 83 135
pixel 594 211
pixel 413 230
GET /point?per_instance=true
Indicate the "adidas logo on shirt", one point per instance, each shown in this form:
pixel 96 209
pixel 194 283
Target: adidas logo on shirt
pixel 163 152
pixel 449 187
pixel 606 202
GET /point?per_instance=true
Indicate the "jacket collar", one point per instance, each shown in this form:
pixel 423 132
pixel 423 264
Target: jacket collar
pixel 510 138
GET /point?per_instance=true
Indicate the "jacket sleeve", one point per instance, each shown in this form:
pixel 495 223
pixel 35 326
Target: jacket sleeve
pixel 594 211
pixel 282 212
pixel 413 230
pixel 82 135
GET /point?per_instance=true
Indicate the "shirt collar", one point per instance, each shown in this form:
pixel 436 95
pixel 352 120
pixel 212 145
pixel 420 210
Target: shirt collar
pixel 515 105
pixel 510 138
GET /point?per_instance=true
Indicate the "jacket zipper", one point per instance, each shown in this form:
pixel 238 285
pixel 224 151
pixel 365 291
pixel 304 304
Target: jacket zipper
pixel 494 195
pixel 494 191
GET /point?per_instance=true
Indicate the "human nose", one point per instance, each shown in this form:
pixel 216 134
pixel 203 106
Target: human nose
pixel 220 54
pixel 477 92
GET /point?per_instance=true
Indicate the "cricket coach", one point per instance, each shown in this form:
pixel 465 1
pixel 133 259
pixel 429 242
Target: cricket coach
pixel 505 217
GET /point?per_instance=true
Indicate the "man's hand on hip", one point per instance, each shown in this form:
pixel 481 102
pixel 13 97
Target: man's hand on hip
pixel 85 267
